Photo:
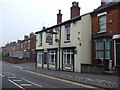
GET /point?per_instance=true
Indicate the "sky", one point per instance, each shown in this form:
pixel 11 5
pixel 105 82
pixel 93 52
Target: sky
pixel 21 17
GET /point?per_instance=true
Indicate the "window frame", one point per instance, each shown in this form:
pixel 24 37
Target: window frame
pixel 54 53
pixel 40 54
pixel 67 33
pixel 102 23
pixel 104 49
pixel 40 43
pixel 65 54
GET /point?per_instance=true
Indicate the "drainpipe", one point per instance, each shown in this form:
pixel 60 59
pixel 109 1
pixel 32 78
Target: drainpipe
pixel 59 47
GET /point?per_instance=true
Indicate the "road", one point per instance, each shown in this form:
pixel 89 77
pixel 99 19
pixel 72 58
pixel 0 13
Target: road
pixel 13 76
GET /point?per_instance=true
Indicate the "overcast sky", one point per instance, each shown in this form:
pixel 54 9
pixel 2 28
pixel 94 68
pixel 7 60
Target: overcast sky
pixel 21 17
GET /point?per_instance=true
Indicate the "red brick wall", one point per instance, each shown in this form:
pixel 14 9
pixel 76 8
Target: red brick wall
pixel 111 28
pixel 113 13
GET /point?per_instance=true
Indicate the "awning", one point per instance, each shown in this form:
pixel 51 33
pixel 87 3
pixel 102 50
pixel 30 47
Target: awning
pixel 117 36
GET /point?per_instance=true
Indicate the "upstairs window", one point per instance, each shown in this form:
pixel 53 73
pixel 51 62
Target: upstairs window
pixel 102 23
pixel 28 44
pixel 67 33
pixel 40 39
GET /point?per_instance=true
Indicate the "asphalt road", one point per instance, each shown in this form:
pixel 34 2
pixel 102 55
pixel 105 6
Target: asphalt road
pixel 13 76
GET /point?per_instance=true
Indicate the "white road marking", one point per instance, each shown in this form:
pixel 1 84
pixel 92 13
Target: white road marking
pixel 17 66
pixel 16 84
pixel 11 73
pixel 26 84
pixel 17 80
pixel 31 82
pixel 11 77
pixel 1 75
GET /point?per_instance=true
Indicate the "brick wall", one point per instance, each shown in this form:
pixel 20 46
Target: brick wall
pixel 113 14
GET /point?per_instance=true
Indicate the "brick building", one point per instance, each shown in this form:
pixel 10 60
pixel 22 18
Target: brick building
pixel 106 35
pixel 22 50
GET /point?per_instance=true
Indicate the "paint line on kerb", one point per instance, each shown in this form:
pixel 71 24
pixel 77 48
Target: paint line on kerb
pixel 1 75
pixel 31 82
pixel 75 83
pixel 16 84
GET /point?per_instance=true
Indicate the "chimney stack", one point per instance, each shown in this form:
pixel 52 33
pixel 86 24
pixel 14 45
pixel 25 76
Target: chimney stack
pixel 25 37
pixel 75 9
pixel 18 41
pixel 59 17
pixel 103 2
pixel 32 34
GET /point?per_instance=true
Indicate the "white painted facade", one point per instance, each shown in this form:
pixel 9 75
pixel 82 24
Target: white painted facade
pixel 78 47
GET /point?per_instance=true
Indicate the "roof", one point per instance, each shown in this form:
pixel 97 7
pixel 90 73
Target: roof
pixel 106 6
pixel 63 23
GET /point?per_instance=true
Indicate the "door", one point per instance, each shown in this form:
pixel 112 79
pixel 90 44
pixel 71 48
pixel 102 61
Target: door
pixel 118 53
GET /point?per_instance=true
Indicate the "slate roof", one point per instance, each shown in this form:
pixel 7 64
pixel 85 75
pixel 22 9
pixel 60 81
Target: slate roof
pixel 106 6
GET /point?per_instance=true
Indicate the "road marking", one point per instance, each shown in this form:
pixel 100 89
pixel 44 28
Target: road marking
pixel 75 83
pixel 31 82
pixel 17 66
pixel 17 80
pixel 11 77
pixel 26 85
pixel 16 84
pixel 1 75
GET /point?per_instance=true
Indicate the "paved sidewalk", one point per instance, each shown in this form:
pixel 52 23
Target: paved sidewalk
pixel 105 81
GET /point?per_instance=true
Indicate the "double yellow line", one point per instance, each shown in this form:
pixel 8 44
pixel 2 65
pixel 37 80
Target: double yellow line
pixel 75 83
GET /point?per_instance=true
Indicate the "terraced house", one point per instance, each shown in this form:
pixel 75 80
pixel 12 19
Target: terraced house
pixel 22 50
pixel 106 35
pixel 66 45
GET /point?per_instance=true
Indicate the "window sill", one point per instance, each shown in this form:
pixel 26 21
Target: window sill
pixel 52 63
pixel 68 65
pixel 40 45
pixel 66 41
pixel 102 32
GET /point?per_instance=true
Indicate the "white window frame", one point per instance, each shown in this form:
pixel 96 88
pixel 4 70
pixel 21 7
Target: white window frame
pixel 67 28
pixel 28 44
pixel 65 52
pixel 102 25
pixel 52 52
pixel 39 56
pixel 41 37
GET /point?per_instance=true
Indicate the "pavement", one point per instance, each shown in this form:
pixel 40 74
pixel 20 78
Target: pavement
pixel 99 80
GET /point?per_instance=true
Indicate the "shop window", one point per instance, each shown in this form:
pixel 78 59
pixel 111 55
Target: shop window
pixel 68 57
pixel 39 56
pixel 52 56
